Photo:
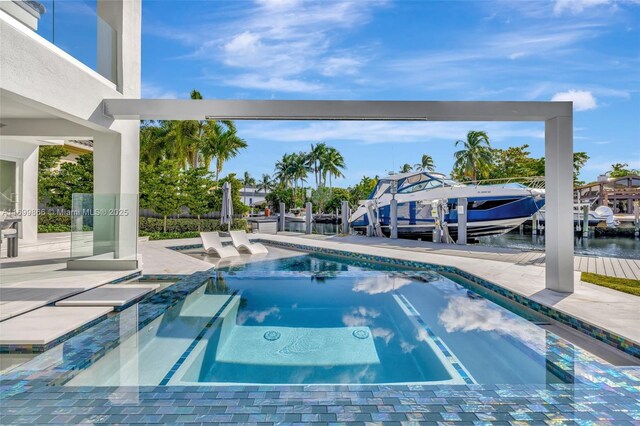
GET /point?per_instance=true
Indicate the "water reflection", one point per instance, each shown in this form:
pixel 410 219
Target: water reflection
pixel 465 314
pixel 379 284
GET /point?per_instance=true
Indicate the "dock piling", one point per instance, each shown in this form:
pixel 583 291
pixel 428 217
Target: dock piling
pixel 308 210
pixel 636 217
pixel 462 221
pixel 281 217
pixel 345 217
pixel 394 218
pixel 585 221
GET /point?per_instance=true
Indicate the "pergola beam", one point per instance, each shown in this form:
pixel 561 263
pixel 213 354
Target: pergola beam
pixel 557 116
pixel 187 109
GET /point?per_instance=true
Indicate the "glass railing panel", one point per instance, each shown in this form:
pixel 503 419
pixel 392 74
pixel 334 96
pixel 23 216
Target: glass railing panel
pixel 76 27
pixel 104 225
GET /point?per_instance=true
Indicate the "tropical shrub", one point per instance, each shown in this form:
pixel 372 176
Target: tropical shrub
pixel 338 195
pixel 152 224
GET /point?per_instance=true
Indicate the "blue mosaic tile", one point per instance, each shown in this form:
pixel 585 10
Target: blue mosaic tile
pixel 604 395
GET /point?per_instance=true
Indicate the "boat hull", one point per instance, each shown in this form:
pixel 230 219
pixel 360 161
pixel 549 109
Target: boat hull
pixel 415 221
pixel 474 230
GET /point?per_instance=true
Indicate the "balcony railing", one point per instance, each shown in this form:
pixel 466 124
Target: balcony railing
pixel 75 26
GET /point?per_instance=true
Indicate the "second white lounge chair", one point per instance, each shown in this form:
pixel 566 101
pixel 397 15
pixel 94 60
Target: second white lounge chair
pixel 242 243
pixel 213 245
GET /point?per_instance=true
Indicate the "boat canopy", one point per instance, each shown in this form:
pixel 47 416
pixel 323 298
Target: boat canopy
pixel 411 182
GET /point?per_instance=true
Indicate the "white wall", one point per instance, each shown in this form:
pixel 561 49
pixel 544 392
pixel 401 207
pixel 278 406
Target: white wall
pixel 25 155
pixel 41 76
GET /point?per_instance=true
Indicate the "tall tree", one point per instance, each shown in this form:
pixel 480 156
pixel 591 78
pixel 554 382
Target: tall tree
pixel 620 170
pixel 247 181
pixel 160 189
pixel 227 145
pixel 362 190
pixel 474 160
pixel 283 170
pixel 332 164
pixel 406 168
pixel 426 163
pixel 265 183
pixel 195 191
pixel 314 160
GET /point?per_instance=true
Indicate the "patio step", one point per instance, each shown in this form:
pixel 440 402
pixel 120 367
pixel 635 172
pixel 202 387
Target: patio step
pixel 43 328
pixel 116 295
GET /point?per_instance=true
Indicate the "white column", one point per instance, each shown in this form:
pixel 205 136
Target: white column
pixel 116 172
pixel 559 204
pixel 29 194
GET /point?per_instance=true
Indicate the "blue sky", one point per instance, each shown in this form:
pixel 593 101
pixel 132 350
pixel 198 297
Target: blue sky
pixel 587 51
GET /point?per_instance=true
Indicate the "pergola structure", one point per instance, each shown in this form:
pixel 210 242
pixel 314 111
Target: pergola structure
pixel 557 116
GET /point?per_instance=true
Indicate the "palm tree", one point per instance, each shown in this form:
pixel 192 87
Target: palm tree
pixel 332 163
pixel 475 159
pixel 406 168
pixel 192 143
pixel 153 146
pixel 283 170
pixel 313 160
pixel 300 168
pixel 265 183
pixel 222 144
pixel 247 181
pixel 426 163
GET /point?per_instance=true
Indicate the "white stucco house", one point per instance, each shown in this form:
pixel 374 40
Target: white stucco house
pixel 252 196
pixel 50 96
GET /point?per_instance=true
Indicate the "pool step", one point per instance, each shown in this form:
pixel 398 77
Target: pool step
pixel 43 328
pixel 116 295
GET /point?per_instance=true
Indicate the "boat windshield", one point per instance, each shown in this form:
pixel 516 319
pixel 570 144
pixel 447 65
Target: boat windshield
pixel 430 184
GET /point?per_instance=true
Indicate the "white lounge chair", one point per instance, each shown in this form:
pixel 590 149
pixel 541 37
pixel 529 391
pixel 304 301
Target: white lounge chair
pixel 213 245
pixel 242 243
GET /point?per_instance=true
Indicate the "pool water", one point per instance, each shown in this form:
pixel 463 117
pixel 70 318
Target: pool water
pixel 318 320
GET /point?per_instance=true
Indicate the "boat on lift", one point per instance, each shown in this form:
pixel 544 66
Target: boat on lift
pixel 492 209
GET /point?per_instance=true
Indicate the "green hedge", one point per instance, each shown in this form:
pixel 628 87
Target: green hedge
pixel 54 219
pixel 169 235
pixel 58 223
pixel 43 229
pixel 151 224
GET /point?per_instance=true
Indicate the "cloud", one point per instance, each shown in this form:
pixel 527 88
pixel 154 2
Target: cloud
pixel 281 41
pixel 258 316
pixel 154 91
pixel 379 284
pixel 384 131
pixel 582 99
pixel 278 84
pixel 576 6
pixel 341 66
pixel 463 314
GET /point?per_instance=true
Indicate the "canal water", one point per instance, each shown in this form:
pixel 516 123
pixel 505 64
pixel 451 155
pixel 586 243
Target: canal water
pixel 602 246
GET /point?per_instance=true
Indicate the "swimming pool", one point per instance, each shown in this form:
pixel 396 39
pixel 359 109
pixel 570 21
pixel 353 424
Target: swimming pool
pixel 313 319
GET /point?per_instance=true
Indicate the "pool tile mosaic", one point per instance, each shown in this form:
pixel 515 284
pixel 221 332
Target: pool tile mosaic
pixel 600 395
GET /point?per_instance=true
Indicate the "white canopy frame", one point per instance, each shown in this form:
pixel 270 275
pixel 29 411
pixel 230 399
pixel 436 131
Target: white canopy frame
pixel 557 116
